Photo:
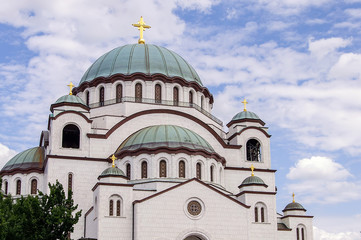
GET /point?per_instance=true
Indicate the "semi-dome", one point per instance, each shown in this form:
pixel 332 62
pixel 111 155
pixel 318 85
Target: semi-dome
pixel 112 172
pixel 70 99
pixel 167 136
pixel 253 180
pixel 141 58
pixel 31 159
pixel 294 206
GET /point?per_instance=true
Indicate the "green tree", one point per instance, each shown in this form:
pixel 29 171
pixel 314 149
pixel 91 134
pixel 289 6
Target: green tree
pixel 42 217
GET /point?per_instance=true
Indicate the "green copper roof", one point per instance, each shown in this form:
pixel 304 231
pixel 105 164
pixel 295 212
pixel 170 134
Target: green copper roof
pixel 112 171
pixel 70 99
pixel 28 159
pixel 253 180
pixel 169 136
pixel 141 58
pixel 245 115
pixel 294 206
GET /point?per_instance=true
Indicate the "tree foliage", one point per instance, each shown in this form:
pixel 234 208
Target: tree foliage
pixel 41 217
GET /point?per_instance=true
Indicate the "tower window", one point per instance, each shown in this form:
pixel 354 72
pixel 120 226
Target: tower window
pixel 71 136
pixel 190 98
pixel 256 214
pixel 6 187
pixel 182 169
pixel 138 92
pixel 202 102
pixel 262 214
pixel 253 150
pixel 175 96
pixel 199 171
pixel 162 168
pixel 158 93
pixel 298 233
pixel 101 96
pixel 118 208
pixel 87 98
pixel 34 186
pixel 18 187
pixel 119 93
pixel 70 182
pixel 144 169
pixel 111 208
pixel 212 173
pixel 128 167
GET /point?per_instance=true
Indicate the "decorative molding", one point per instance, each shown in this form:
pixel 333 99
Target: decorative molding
pixel 246 128
pixel 297 216
pixel 249 170
pixel 111 184
pixel 69 104
pixel 74 112
pixel 246 120
pixel 255 192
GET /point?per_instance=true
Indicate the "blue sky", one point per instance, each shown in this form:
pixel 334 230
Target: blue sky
pixel 298 63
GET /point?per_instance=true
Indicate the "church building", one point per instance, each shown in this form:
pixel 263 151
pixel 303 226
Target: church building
pixel 145 158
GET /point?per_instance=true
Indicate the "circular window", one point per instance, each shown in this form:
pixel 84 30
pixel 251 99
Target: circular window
pixel 194 208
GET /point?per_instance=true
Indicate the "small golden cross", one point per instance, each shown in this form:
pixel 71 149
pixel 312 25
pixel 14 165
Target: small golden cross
pixel 252 168
pixel 71 85
pixel 245 105
pixel 141 27
pixel 113 158
pixel 293 196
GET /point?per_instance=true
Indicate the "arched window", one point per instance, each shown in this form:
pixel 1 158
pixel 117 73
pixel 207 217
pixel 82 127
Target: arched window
pixel 256 214
pixel 70 182
pixel 71 136
pixel 162 168
pixel 175 96
pixel 303 233
pixel 6 187
pixel 87 98
pixel 199 171
pixel 18 187
pixel 182 169
pixel 138 92
pixel 119 93
pixel 34 186
pixel 158 93
pixel 118 208
pixel 128 167
pixel 144 169
pixel 262 214
pixel 202 102
pixel 298 233
pixel 111 208
pixel 191 98
pixel 101 96
pixel 253 150
pixel 212 173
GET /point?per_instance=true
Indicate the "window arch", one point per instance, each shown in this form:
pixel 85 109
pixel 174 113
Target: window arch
pixel 212 173
pixel 33 186
pixel 199 170
pixel 18 187
pixel 144 169
pixel 87 98
pixel 190 98
pixel 158 93
pixel 163 168
pixel 182 169
pixel 128 170
pixel 253 150
pixel 301 232
pixel 138 92
pixel 70 182
pixel 101 96
pixel 111 207
pixel 119 93
pixel 115 205
pixel 118 208
pixel 71 136
pixel 6 186
pixel 260 212
pixel 175 96
pixel 256 214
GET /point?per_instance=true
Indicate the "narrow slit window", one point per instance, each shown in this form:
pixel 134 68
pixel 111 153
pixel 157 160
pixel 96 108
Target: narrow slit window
pixel 144 169
pixel 18 187
pixel 111 208
pixel 158 93
pixel 119 93
pixel 34 186
pixel 182 169
pixel 128 170
pixel 138 92
pixel 199 171
pixel 101 96
pixel 118 208
pixel 162 168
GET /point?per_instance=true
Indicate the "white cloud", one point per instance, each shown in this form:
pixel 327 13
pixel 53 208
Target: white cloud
pixel 323 47
pixel 322 180
pixel 320 234
pixel 354 12
pixel 5 154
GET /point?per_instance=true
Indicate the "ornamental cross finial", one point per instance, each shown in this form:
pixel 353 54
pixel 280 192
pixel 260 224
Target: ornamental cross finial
pixel 71 85
pixel 141 27
pixel 252 168
pixel 245 105
pixel 113 158
pixel 293 196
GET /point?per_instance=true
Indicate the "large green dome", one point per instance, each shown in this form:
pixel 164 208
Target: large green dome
pixel 168 136
pixel 31 159
pixel 141 58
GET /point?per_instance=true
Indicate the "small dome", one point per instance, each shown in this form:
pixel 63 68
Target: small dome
pixel 112 172
pixel 245 115
pixel 167 136
pixel 31 159
pixel 70 99
pixel 294 206
pixel 253 180
pixel 141 58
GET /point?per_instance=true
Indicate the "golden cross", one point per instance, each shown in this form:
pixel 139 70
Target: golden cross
pixel 113 158
pixel 141 27
pixel 245 105
pixel 71 85
pixel 293 196
pixel 252 168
